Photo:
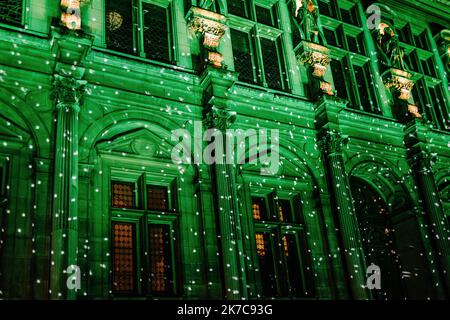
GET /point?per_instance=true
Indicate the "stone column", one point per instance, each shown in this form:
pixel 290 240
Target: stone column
pixel 333 142
pixel 422 163
pixel 68 92
pixel 221 118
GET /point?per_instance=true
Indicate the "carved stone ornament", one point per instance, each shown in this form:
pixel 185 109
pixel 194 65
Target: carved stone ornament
pixel 318 58
pixel 399 82
pixel 220 118
pixel 334 141
pixel 71 14
pixel 68 92
pixel 211 27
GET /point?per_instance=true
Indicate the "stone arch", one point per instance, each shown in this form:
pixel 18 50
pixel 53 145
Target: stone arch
pixel 25 120
pixel 385 207
pixel 122 122
pixel 385 180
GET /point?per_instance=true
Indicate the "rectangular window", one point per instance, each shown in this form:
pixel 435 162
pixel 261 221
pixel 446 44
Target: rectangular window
pixel 441 116
pixel 11 11
pixel 119 26
pixel 239 8
pixel 274 70
pixel 266 16
pixel 339 81
pixel 411 61
pixel 356 44
pixel 366 90
pixel 149 37
pixel 259 208
pixel 421 40
pixel 428 67
pixel 350 16
pixel 156 29
pixel 161 273
pixel 327 8
pixel 123 257
pixel 405 34
pixel 157 198
pixel 264 247
pixel 285 210
pixel 244 62
pixel 123 194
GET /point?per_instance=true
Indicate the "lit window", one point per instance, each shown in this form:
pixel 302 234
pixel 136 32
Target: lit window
pixel 123 257
pixel 123 194
pixel 157 198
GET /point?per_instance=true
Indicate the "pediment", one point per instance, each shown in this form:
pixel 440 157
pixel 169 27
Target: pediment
pixel 142 142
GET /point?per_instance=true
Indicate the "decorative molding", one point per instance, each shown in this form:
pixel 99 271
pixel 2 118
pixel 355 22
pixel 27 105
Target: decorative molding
pixel 220 118
pixel 334 141
pixel 68 92
pixel 211 26
pixel 317 57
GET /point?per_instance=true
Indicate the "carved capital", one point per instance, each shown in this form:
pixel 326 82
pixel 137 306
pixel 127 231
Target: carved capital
pixel 68 92
pixel 220 118
pixel 423 161
pixel 334 141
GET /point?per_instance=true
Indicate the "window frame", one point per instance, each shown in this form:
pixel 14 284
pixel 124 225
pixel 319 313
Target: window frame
pixel 23 20
pixel 137 30
pixel 143 218
pixel 276 230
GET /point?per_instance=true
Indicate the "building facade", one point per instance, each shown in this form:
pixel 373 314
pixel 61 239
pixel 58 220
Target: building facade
pixel 355 96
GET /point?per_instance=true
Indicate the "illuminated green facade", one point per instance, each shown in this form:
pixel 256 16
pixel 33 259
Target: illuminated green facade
pixel 87 178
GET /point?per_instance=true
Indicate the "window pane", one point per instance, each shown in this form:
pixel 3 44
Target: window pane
pixel 272 65
pixel 285 210
pixel 123 257
pixel 327 8
pixel 365 89
pixel 339 79
pixel 330 37
pixel 156 32
pixel 411 60
pixel 259 208
pixel 157 198
pixel 438 105
pixel 405 34
pixel 264 16
pixel 243 61
pixel 428 67
pixel 293 266
pixel 350 16
pixel 238 8
pixel 11 11
pixel 266 265
pixel 160 259
pixel 356 44
pixel 119 26
pixel 123 195
pixel 300 273
pixel 421 40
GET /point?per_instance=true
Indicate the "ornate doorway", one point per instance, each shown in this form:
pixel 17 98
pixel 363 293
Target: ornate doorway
pixel 377 235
